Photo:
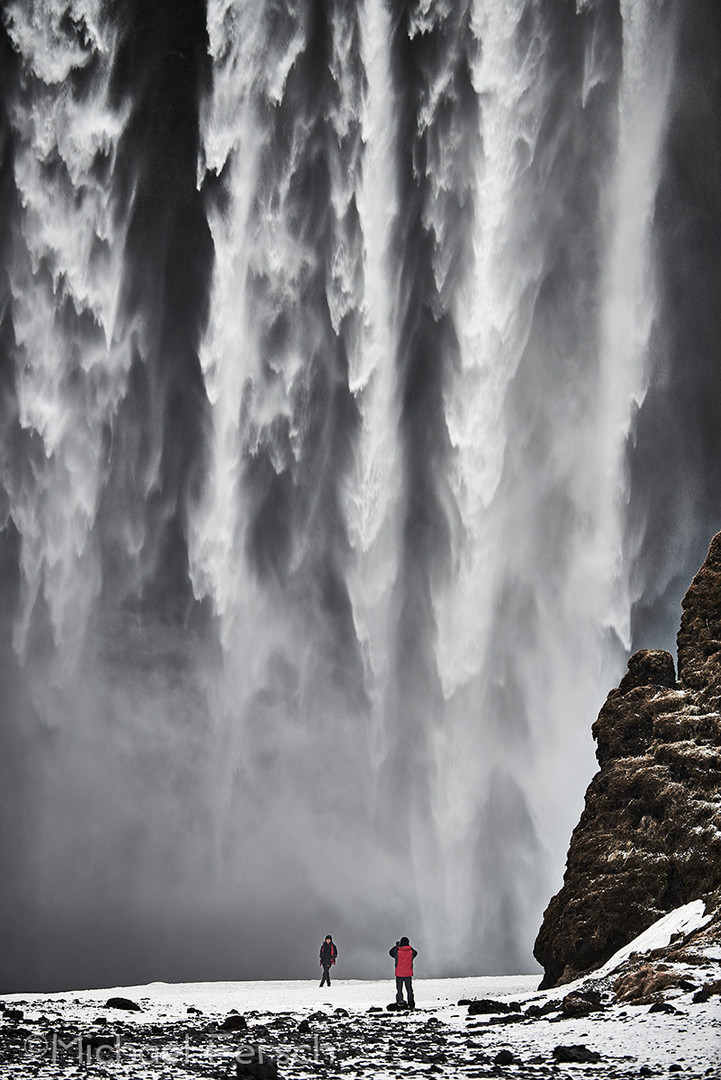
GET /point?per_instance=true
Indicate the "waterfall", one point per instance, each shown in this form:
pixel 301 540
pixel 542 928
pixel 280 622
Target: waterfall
pixel 70 370
pixel 332 337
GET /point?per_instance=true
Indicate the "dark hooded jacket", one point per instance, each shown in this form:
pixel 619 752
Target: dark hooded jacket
pixel 328 953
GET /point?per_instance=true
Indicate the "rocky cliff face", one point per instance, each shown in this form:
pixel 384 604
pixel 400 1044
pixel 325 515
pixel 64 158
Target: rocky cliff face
pixel 649 838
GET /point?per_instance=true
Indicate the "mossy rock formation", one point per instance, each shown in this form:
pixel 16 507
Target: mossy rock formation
pixel 649 838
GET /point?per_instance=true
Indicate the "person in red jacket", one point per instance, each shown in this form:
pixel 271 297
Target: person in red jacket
pixel 328 953
pixel 404 955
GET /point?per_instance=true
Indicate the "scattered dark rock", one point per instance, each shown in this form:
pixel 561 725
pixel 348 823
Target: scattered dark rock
pixel 320 1016
pixel 578 1054
pixel 21 1032
pixel 543 1010
pixel 487 1005
pixel 123 1003
pixel 233 1022
pixel 255 1067
pixel 340 1012
pixel 15 1015
pixel 397 1006
pixel 96 1042
pixel 375 1009
pixel 649 838
pixel 100 1020
pixel 192 1009
pixel 304 1027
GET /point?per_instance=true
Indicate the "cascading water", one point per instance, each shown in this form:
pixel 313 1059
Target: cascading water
pixel 328 335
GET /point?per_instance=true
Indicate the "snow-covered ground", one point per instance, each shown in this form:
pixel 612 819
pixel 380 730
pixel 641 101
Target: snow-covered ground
pixel 183 1030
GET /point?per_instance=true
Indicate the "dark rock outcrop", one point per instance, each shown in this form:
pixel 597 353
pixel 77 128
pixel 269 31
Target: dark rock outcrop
pixel 649 838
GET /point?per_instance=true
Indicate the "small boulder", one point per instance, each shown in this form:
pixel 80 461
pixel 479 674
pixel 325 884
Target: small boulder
pixel 504 1057
pixel 123 1003
pixel 579 1005
pixel 709 990
pixel 233 1022
pixel 579 1055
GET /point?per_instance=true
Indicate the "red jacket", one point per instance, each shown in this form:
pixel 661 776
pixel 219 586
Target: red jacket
pixel 404 961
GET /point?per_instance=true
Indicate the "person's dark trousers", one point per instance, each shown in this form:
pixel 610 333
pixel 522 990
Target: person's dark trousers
pixel 407 982
pixel 326 975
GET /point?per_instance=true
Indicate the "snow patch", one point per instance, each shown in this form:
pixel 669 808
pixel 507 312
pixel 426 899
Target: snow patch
pixel 683 920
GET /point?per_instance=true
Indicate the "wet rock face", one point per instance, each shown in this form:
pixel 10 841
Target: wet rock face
pixel 649 838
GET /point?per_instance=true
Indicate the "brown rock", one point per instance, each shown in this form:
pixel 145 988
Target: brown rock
pixel 578 1005
pixel 649 667
pixel 649 838
pixel 699 639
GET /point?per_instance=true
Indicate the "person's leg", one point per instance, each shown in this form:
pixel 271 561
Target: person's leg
pixel 409 992
pixel 399 989
pixel 326 976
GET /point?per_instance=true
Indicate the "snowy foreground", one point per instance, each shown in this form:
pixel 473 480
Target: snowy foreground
pixel 216 1029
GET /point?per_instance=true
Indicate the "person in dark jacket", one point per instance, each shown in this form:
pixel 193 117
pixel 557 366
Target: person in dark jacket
pixel 328 953
pixel 404 955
